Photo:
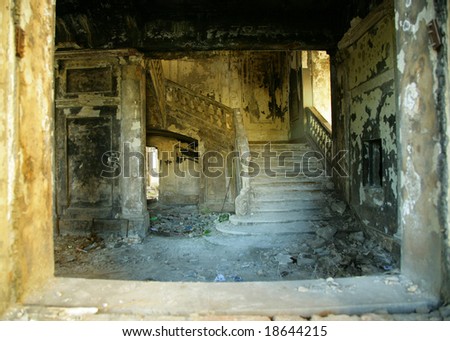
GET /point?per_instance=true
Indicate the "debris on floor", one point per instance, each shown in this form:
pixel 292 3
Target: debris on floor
pixel 184 245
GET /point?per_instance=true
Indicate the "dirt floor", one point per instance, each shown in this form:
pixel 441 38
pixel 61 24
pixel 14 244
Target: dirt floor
pixel 184 245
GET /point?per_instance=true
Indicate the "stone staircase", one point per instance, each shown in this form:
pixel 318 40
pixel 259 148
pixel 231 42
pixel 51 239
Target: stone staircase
pixel 291 194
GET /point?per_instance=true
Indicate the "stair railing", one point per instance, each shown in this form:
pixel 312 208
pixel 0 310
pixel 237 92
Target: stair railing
pixel 242 201
pixel 211 111
pixel 318 131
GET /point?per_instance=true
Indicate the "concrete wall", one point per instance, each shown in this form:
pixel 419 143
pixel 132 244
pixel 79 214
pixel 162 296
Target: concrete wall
pixel 423 136
pixel 255 82
pixel 26 94
pixel 100 142
pixel 179 179
pixel 365 122
pixel 321 86
pixel 446 17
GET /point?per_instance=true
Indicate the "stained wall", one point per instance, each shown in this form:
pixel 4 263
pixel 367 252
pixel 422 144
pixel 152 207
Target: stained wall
pixel 255 82
pixel 100 143
pixel 26 135
pixel 365 122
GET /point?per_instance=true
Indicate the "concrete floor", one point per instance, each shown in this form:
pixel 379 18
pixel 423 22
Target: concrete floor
pixel 188 246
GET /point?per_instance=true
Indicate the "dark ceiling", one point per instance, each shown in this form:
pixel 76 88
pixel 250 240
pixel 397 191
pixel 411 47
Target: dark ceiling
pixel 181 25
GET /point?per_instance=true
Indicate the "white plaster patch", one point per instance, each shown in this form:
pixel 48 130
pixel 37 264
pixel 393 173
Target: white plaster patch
pixel 136 126
pixel 135 144
pixel 401 61
pixel 90 112
pixel 394 181
pixel 411 96
pixel 412 185
pixel 427 14
pixel 362 194
pixel 436 154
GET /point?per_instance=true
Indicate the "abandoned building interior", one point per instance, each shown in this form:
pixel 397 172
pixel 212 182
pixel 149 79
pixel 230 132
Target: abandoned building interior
pixel 293 150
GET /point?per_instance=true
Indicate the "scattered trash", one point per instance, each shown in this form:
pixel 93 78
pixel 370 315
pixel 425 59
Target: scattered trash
pixel 283 259
pixel 153 218
pixel 413 288
pixel 302 289
pixel 220 278
pixel 357 237
pixel 238 279
pixel 339 207
pixel 326 232
pixel 387 267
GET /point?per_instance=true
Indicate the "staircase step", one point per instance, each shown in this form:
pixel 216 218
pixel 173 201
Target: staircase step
pixel 286 154
pixel 287 206
pixel 286 176
pixel 312 172
pixel 267 228
pixel 312 194
pixel 280 146
pixel 284 180
pixel 280 217
pixel 289 188
pixel 288 165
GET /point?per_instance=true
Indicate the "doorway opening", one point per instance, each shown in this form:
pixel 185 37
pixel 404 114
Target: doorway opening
pixel 152 171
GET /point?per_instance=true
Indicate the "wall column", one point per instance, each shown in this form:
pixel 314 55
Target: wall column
pixel 420 144
pixel 133 183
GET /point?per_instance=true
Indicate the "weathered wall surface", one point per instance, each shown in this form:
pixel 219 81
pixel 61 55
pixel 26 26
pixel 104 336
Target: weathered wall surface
pixel 367 113
pixel 256 82
pixel 194 117
pixel 179 176
pixel 423 115
pixel 26 246
pixel 7 107
pixel 100 142
pixel 320 75
pixel 445 16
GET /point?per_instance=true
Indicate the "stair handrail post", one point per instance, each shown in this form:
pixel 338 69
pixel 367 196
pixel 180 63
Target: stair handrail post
pixel 318 132
pixel 242 201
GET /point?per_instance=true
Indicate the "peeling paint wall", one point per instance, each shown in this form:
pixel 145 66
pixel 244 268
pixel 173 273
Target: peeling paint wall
pixel 26 246
pixel 100 143
pixel 365 123
pixel 255 82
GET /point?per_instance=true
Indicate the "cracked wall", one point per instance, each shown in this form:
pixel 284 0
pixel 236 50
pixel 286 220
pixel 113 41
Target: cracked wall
pixel 366 122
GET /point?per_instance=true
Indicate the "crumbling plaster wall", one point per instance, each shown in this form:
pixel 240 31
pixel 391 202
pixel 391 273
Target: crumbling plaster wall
pixel 366 112
pixel 422 122
pixel 26 95
pixel 100 142
pixel 320 77
pixel 255 82
pixel 179 180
